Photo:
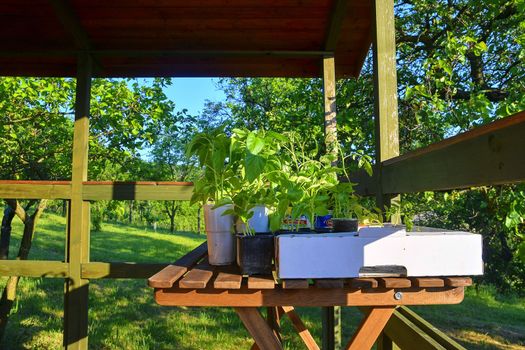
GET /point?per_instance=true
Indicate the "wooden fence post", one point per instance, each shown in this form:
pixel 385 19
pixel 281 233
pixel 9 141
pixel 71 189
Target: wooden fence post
pixel 385 93
pixel 77 241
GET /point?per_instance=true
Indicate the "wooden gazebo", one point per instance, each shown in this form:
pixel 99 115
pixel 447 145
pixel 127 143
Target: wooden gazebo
pixel 239 38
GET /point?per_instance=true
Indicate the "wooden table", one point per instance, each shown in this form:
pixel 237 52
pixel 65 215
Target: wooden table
pixel 191 281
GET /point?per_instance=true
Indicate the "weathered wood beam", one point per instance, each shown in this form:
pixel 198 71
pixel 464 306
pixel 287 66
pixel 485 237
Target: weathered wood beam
pixel 34 268
pixel 71 24
pixel 137 190
pixel 488 155
pixel 77 241
pixel 13 189
pixel 95 270
pixel 385 92
pixel 165 53
pixel 337 17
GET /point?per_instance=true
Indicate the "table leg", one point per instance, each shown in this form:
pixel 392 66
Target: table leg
pixel 299 326
pixel 258 328
pixel 370 328
pixel 274 321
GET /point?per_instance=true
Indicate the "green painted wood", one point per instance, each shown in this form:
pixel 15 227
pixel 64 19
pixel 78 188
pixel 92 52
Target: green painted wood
pixel 34 268
pixel 96 270
pixel 331 322
pixel 137 191
pixel 409 336
pixel 443 339
pixel 34 190
pixel 330 109
pixel 385 93
pixel 77 242
pixel 488 155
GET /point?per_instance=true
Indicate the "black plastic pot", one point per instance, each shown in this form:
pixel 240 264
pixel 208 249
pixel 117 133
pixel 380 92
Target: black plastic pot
pixel 345 225
pixel 255 253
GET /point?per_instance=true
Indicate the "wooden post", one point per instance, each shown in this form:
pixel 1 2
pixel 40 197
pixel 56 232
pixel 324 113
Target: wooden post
pixel 331 316
pixel 77 242
pixel 385 93
pixel 330 110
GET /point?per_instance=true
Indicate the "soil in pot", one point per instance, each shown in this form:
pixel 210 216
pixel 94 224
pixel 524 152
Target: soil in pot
pixel 255 253
pixel 345 225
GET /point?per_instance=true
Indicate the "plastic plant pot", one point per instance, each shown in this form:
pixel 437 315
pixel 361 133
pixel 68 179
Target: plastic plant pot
pixel 345 225
pixel 255 253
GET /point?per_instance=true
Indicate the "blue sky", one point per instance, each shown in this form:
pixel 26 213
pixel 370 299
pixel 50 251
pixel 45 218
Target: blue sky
pixel 191 93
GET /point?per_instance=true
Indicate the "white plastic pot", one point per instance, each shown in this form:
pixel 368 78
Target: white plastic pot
pixel 259 220
pixel 221 242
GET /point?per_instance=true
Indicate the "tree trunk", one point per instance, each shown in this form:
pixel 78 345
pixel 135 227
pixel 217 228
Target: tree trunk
pixel 5 235
pixel 172 223
pixel 9 293
pixel 130 212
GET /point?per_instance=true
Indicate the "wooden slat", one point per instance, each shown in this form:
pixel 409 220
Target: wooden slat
pixel 198 277
pixel 300 328
pixel 383 271
pixel 305 297
pixel 230 279
pixel 34 268
pixel 137 190
pixel 458 281
pixel 329 283
pixel 261 282
pixel 487 155
pixel 427 282
pixel 35 189
pixel 167 277
pixel 395 282
pixel 370 328
pixel 258 328
pixel 295 283
pixel 364 283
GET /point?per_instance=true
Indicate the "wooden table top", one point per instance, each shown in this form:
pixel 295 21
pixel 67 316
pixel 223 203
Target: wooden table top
pixel 191 281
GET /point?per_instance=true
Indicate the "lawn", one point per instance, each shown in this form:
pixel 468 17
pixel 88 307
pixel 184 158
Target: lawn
pixel 123 314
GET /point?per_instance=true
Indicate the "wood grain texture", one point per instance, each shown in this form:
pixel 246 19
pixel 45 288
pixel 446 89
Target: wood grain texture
pixel 169 275
pixel 300 328
pixel 34 268
pixel 425 282
pixel 458 281
pixel 388 282
pixel 408 336
pixel 329 283
pixel 364 283
pixel 198 277
pixel 295 283
pixel 138 191
pixel 228 280
pixel 370 328
pixel 258 328
pixel 245 297
pixel 261 282
pixel 487 155
pixel 35 190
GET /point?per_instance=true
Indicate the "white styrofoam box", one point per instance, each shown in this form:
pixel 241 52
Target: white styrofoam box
pixel 342 255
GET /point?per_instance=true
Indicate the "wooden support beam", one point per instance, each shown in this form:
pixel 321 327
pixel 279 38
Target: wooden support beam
pixel 34 268
pixel 107 190
pixel 71 24
pixel 318 297
pixel 77 242
pixel 487 155
pixel 13 189
pixel 370 328
pixel 300 327
pixel 96 270
pixel 337 17
pixel 258 328
pixel 385 93
pixel 330 108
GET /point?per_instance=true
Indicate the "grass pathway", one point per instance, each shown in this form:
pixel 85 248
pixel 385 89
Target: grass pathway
pixel 123 314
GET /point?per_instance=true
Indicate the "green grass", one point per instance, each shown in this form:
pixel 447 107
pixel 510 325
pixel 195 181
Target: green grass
pixel 123 314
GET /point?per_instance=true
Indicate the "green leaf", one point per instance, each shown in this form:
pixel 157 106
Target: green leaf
pixel 254 166
pixel 254 143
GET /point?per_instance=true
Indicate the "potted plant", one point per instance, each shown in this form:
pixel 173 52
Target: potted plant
pixel 348 210
pixel 253 198
pixel 213 190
